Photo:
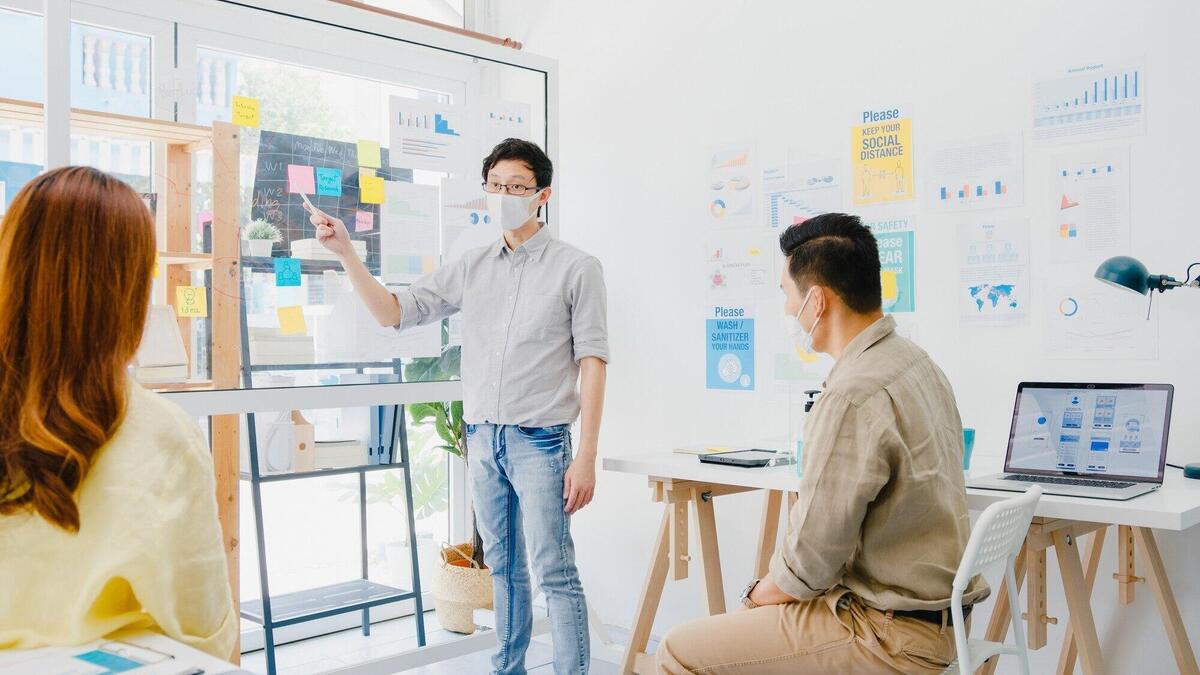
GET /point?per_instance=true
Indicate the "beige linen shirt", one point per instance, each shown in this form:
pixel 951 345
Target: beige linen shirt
pixel 882 509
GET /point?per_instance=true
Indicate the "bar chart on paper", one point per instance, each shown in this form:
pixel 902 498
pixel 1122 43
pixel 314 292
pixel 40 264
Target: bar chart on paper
pixel 969 191
pixel 792 207
pixel 425 135
pixel 1093 100
pixel 793 192
pixel 975 173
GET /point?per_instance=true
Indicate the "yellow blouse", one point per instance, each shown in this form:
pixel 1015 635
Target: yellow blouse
pixel 148 553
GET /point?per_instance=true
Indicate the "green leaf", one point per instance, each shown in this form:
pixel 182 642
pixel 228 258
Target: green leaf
pixel 452 363
pixel 429 481
pixel 422 370
pixel 421 413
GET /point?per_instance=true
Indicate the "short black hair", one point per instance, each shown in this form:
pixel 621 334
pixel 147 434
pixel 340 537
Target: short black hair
pixel 523 151
pixel 837 251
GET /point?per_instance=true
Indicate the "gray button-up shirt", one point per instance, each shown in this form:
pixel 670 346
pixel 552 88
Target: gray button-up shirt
pixel 529 317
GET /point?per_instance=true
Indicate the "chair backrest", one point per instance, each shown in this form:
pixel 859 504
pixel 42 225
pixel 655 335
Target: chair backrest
pixel 997 535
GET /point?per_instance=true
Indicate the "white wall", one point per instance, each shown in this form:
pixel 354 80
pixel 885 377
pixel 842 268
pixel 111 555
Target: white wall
pixel 647 87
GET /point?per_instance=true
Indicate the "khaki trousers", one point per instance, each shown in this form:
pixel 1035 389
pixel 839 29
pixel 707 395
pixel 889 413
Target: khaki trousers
pixel 835 633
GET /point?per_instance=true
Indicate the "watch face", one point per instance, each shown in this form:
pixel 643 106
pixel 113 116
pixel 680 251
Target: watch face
pixel 746 594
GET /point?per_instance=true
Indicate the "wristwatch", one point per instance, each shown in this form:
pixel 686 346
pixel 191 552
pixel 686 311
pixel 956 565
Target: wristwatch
pixel 746 601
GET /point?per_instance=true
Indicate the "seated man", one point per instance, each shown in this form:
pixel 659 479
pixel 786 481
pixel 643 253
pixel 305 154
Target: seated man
pixel 862 583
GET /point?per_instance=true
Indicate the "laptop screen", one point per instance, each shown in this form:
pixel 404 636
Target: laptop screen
pixel 1113 430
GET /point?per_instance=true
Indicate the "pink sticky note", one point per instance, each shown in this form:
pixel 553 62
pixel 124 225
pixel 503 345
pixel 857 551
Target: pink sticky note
pixel 301 179
pixel 364 221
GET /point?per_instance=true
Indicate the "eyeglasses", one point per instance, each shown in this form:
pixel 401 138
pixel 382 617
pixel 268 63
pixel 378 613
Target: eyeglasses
pixel 518 190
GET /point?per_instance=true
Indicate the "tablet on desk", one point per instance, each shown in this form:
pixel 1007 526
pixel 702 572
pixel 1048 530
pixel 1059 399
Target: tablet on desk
pixel 748 458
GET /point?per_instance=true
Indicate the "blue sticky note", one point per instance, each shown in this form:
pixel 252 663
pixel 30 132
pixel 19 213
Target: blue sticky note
pixel 287 271
pixel 329 182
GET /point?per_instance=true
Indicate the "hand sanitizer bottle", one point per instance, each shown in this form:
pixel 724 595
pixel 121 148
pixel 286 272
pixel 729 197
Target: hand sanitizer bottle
pixel 808 406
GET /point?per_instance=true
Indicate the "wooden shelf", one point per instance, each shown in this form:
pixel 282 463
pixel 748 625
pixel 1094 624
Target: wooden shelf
pixel 191 261
pixel 126 126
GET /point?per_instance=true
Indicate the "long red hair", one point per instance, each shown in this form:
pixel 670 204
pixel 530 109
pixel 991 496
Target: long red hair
pixel 76 259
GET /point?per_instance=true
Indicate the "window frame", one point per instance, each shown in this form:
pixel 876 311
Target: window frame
pixel 177 28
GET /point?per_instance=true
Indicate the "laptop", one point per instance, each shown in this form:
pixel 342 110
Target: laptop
pixel 1105 441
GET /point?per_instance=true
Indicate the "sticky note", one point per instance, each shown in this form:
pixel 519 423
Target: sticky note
pixel 329 182
pixel 287 271
pixel 155 276
pixel 191 301
pixel 368 154
pixel 805 356
pixel 887 279
pixel 300 179
pixel 364 221
pixel 245 111
pixel 291 321
pixel 370 189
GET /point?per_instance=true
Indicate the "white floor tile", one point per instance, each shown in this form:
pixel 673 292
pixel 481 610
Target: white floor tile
pixel 350 647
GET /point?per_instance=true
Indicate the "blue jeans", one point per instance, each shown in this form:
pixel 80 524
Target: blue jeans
pixel 516 478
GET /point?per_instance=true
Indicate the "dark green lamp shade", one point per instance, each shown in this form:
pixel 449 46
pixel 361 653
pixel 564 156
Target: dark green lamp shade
pixel 1125 272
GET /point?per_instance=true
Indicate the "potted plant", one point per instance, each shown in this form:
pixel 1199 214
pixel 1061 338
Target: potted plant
pixel 261 237
pixel 461 582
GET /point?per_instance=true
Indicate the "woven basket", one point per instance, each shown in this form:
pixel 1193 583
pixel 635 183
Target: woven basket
pixel 460 587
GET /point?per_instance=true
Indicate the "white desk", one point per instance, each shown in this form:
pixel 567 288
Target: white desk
pixel 678 481
pixel 12 660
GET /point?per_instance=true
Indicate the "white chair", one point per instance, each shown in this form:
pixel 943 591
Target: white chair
pixel 996 539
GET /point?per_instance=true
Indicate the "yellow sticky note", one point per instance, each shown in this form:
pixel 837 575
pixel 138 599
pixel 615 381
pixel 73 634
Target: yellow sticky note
pixel 155 266
pixel 245 111
pixel 291 321
pixel 806 357
pixel 370 189
pixel 191 301
pixel 368 154
pixel 887 279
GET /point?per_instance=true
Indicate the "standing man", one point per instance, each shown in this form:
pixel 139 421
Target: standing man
pixel 863 580
pixel 534 325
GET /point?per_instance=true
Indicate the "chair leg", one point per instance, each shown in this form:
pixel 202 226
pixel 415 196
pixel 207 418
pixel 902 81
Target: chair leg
pixel 1010 584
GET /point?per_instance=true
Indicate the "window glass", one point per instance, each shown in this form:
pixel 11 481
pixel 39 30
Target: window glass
pixel 110 72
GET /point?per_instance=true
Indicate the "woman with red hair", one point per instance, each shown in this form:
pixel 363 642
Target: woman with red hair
pixel 108 515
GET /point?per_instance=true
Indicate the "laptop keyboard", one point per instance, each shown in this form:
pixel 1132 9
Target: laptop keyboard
pixel 1056 480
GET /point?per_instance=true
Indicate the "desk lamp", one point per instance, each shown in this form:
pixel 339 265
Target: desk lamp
pixel 1130 274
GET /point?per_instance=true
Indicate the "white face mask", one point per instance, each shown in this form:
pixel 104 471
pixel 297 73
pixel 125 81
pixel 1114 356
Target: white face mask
pixel 510 211
pixel 795 330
